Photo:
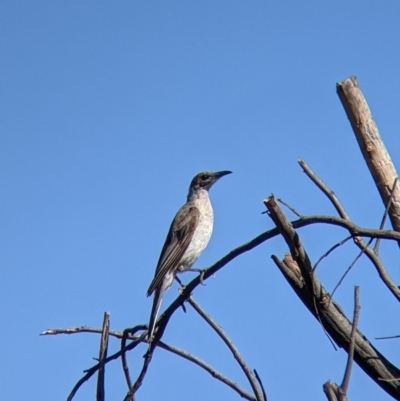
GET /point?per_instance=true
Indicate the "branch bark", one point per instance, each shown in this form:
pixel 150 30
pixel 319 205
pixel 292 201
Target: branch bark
pixel 100 395
pixel 313 294
pixel 372 147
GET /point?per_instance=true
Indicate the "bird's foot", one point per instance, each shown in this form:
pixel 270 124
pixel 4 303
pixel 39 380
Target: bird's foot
pixel 202 272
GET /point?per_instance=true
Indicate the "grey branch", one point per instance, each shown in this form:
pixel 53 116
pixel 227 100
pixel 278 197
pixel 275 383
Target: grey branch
pixel 229 343
pixel 100 396
pixel 330 313
pixel 208 368
pixel 168 347
pixel 364 247
pixel 346 378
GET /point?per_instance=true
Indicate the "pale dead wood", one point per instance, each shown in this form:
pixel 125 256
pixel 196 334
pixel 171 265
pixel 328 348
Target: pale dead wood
pixel 371 144
pixel 331 391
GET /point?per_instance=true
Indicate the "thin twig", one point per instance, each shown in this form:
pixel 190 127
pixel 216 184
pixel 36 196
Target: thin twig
pixel 331 250
pixel 76 330
pixel 214 373
pixel 168 347
pixel 261 384
pixel 346 378
pixel 146 362
pixel 100 396
pixel 324 188
pixel 387 338
pixel 291 208
pixel 90 372
pixel 395 379
pixel 373 257
pixel 88 329
pixel 349 268
pixel 376 247
pixel 124 361
pixel 229 343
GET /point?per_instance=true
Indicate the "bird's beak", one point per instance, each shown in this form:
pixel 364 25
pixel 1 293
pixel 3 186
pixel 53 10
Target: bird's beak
pixel 220 174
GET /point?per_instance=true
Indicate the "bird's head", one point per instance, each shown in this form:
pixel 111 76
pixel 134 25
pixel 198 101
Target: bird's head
pixel 206 179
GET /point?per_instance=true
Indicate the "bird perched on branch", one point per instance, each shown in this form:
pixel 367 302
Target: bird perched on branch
pixel 187 238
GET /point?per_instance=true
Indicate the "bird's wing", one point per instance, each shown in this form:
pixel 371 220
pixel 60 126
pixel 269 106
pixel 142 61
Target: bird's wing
pixel 178 239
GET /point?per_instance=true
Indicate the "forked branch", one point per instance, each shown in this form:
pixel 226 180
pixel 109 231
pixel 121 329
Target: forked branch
pixel 331 314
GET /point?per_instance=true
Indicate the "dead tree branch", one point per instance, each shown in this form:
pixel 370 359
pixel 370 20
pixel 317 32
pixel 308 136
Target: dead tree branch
pixel 90 372
pixel 229 343
pixel 208 368
pixel 346 378
pixel 331 391
pixel 332 316
pixel 370 142
pixel 364 247
pixel 100 396
pixel 168 347
pixel 376 247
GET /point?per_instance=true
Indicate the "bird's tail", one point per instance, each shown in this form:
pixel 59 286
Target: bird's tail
pixel 158 296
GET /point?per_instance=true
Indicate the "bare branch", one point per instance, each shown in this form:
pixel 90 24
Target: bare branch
pixel 147 359
pixel 229 343
pixel 90 372
pixel 213 372
pixel 102 355
pixel 261 384
pixel 124 361
pixel 346 379
pixel 387 338
pixel 331 391
pixel 370 142
pixel 349 268
pixel 372 256
pixel 289 263
pixel 168 347
pixel 325 189
pixel 327 253
pixel 376 247
pixel 291 208
pixel 332 316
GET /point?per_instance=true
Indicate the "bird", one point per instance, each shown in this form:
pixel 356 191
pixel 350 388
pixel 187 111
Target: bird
pixel 188 236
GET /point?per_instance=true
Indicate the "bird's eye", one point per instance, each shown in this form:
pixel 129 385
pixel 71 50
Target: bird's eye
pixel 205 177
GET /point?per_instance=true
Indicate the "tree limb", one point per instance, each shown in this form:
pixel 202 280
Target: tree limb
pixel 370 142
pixel 346 379
pixel 100 396
pixel 332 316
pixel 168 347
pixel 229 343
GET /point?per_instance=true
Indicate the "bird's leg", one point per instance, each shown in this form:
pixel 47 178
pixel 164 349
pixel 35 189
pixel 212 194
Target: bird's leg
pixel 201 271
pixel 179 281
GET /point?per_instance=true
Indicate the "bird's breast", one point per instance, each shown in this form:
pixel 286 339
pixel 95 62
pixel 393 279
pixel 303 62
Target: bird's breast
pixel 202 234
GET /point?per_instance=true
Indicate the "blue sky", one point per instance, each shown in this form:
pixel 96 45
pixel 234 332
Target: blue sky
pixel 107 111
